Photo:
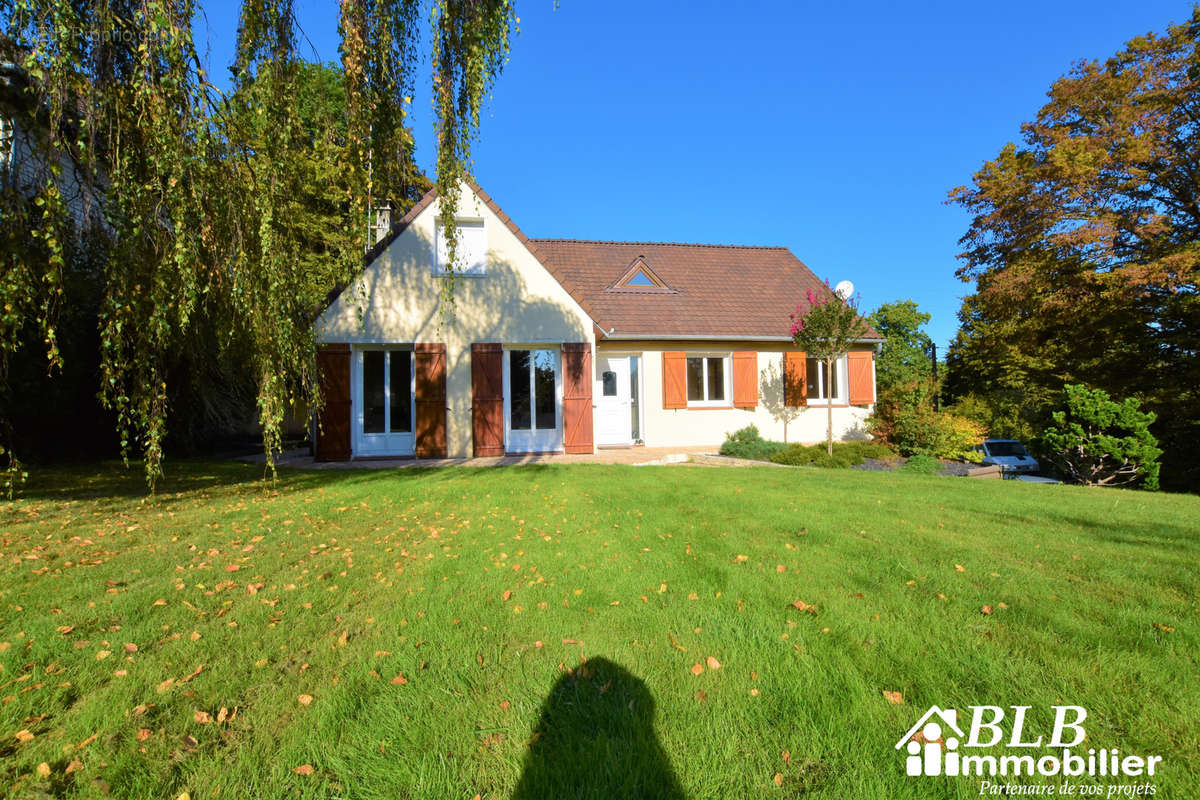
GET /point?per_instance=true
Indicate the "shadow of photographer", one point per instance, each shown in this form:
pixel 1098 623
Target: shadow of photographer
pixel 595 739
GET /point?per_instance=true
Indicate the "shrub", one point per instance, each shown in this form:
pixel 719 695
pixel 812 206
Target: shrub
pixel 905 419
pixel 845 454
pixel 922 465
pixel 1098 441
pixel 748 443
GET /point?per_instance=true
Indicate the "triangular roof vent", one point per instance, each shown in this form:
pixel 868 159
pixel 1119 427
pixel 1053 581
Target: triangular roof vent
pixel 640 278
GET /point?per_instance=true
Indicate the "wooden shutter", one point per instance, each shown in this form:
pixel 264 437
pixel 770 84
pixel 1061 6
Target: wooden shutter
pixel 745 379
pixel 430 366
pixel 487 399
pixel 674 380
pixel 795 383
pixel 577 397
pixel 333 422
pixel 859 365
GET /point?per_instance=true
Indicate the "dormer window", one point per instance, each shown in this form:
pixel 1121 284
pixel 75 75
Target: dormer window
pixel 471 251
pixel 639 277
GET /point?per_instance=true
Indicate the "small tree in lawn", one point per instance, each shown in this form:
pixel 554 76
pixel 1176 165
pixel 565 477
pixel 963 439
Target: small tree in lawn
pixel 1098 441
pixel 826 331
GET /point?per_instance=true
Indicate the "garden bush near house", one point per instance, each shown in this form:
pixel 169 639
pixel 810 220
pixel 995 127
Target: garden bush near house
pixel 845 454
pixel 905 420
pixel 748 443
pixel 1098 441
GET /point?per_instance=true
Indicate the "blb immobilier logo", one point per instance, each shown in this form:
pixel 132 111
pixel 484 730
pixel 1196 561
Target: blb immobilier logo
pixel 937 745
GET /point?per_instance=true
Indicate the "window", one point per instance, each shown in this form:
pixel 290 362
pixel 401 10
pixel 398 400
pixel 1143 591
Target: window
pixel 706 380
pixel 472 249
pixel 532 375
pixel 822 387
pixel 387 391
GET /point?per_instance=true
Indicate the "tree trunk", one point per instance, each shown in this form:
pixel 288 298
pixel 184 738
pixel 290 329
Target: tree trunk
pixel 829 405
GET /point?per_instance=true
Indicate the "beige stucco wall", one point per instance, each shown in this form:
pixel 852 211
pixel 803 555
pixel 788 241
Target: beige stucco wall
pixel 707 426
pixel 397 300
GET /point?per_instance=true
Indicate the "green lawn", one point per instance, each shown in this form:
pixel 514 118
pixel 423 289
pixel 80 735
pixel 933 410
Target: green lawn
pixel 531 632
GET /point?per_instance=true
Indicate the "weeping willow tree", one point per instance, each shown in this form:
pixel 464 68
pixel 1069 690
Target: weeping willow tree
pixel 193 198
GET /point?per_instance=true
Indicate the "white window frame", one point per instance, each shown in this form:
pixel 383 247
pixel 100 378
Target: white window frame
pixel 726 369
pixel 843 388
pixel 473 264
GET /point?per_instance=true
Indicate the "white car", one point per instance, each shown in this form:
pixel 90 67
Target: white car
pixel 1010 456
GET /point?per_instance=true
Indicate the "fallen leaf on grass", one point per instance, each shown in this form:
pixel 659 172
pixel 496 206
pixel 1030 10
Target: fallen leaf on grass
pixel 895 698
pixel 805 607
pixel 303 769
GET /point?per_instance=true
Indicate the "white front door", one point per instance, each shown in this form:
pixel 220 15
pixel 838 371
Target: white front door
pixel 533 400
pixel 383 402
pixel 613 394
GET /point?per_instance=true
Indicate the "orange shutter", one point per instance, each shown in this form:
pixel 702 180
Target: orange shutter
pixel 577 397
pixel 745 379
pixel 487 398
pixel 795 382
pixel 333 422
pixel 430 367
pixel 674 380
pixel 862 377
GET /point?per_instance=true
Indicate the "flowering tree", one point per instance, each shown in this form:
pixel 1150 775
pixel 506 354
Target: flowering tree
pixel 826 331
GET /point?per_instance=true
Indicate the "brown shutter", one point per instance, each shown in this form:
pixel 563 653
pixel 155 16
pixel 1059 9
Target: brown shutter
pixel 577 397
pixel 333 422
pixel 745 379
pixel 430 367
pixel 795 383
pixel 862 377
pixel 487 398
pixel 674 380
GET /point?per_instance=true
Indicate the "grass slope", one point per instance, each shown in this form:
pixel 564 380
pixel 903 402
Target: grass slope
pixel 439 622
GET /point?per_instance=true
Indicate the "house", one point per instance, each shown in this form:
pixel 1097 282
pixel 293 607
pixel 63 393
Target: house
pixel 558 345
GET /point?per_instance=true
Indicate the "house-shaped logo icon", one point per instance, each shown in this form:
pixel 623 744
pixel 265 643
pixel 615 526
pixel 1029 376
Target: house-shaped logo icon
pixel 931 748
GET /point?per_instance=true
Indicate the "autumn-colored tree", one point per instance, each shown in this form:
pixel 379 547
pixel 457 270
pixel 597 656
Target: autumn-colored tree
pixel 825 331
pixel 1084 246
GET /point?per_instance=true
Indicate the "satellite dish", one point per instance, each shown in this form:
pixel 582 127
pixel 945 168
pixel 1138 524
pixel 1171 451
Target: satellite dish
pixel 844 289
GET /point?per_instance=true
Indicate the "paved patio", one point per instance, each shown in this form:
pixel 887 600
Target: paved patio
pixel 635 456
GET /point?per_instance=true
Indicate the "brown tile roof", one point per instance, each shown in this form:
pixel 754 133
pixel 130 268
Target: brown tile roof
pixel 720 291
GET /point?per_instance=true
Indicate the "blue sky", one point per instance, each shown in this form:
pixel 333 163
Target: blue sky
pixel 835 130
